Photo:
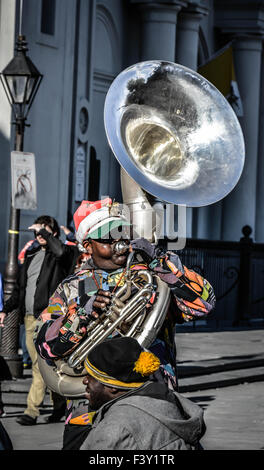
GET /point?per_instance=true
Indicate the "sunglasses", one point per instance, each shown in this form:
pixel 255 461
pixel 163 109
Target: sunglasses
pixel 36 234
pixel 110 241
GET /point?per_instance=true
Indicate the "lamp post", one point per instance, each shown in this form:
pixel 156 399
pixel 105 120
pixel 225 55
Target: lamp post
pixel 21 80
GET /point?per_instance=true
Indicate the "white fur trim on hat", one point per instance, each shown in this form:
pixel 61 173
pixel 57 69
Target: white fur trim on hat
pixel 94 221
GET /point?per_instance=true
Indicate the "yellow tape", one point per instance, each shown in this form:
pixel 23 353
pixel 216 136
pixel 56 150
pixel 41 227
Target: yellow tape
pixel 13 231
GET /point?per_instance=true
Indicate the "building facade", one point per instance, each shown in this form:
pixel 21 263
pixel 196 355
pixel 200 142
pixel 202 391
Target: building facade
pixel 80 46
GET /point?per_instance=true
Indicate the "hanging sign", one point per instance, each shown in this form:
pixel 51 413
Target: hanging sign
pixel 80 174
pixel 23 174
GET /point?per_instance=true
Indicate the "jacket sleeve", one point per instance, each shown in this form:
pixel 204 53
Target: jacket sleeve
pixel 193 295
pixel 109 437
pixel 61 326
pixel 48 325
pixel 12 302
pixel 65 254
pixel 55 244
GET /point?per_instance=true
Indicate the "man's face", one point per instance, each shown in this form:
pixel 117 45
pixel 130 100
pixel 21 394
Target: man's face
pixel 96 393
pixel 104 255
pixel 41 240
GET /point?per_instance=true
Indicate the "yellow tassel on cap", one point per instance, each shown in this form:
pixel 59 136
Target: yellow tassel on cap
pixel 146 364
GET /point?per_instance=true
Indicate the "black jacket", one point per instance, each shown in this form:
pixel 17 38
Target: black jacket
pixel 59 262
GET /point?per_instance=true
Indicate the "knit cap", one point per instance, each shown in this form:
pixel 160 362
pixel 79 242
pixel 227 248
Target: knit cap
pixel 121 362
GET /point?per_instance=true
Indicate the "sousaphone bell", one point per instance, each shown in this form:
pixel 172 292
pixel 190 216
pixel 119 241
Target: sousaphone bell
pixel 174 134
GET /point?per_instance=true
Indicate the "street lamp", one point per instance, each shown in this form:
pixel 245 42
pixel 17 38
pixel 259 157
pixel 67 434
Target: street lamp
pixel 21 80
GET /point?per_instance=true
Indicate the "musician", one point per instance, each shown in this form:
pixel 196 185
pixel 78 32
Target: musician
pixel 133 411
pixel 81 298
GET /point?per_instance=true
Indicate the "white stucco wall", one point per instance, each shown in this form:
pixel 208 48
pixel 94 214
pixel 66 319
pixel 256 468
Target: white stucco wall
pixel 7 41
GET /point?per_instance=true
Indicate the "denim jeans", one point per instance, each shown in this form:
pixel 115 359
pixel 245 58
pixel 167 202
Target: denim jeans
pixel 23 346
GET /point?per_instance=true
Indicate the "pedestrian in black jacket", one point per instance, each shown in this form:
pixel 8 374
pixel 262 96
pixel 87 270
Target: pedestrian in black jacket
pixel 43 269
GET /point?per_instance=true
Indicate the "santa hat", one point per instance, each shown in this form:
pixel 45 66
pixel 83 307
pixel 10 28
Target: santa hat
pixel 98 219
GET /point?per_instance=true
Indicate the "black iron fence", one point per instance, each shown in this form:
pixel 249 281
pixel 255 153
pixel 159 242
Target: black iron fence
pixel 236 271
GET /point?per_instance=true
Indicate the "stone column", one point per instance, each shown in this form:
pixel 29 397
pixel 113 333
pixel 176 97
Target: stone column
pixel 244 23
pixel 158 34
pixel 189 20
pixel 239 208
pixel 187 41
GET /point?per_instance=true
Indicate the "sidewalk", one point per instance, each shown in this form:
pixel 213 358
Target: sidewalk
pixel 227 366
pixel 223 372
pixel 209 359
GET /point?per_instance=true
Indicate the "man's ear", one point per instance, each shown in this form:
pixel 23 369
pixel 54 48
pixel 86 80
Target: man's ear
pixel 88 247
pixel 111 390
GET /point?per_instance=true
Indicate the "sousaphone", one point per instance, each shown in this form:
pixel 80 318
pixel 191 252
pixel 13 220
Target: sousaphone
pixel 177 139
pixel 174 134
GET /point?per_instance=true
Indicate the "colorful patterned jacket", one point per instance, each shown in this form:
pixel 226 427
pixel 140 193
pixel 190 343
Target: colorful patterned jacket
pixel 60 326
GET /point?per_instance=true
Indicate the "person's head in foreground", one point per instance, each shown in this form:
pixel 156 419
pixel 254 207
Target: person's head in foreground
pixel 115 367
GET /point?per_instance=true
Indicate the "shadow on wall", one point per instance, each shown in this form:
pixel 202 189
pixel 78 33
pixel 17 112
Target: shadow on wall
pixel 5 195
